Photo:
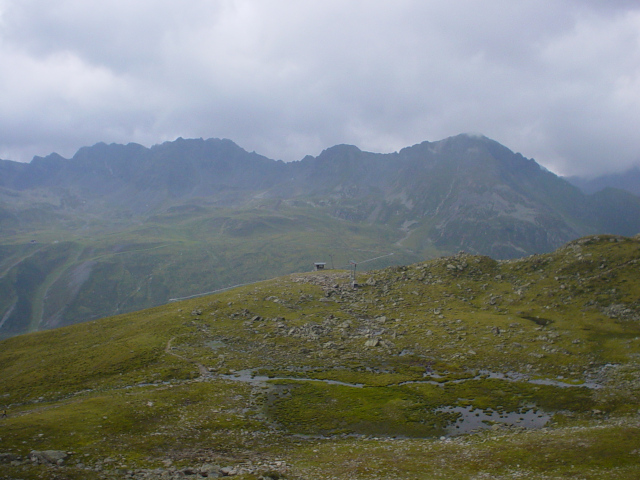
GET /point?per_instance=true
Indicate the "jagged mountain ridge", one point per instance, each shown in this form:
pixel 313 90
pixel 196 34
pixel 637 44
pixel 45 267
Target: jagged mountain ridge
pixel 144 178
pixel 469 192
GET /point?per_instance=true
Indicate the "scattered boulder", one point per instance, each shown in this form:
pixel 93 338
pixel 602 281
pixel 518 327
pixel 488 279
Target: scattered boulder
pixel 372 342
pixel 228 471
pixel 621 311
pixel 210 471
pixel 8 457
pixel 48 457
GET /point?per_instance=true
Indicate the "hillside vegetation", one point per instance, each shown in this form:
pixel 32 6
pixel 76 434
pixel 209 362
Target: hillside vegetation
pixel 119 228
pixel 460 367
pixel 71 277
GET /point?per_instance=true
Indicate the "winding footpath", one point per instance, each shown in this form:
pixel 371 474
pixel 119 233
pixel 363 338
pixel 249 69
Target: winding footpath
pixel 204 372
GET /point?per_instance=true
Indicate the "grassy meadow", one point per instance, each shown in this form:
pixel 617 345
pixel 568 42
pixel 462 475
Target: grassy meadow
pixel 460 367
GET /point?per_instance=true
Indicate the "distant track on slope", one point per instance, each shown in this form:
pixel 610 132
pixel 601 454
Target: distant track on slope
pixel 201 368
pixel 213 291
pixel 20 260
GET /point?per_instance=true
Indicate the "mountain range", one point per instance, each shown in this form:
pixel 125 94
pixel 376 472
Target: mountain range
pixel 117 228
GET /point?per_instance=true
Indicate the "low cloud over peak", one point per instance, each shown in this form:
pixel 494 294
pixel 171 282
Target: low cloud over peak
pixel 558 81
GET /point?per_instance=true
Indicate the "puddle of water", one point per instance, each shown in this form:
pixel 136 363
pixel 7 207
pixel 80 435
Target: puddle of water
pixel 247 376
pixel 146 384
pixel 215 344
pixel 469 418
pixel 509 377
pixel 477 419
pixel 557 383
pixel 422 382
pixel 519 377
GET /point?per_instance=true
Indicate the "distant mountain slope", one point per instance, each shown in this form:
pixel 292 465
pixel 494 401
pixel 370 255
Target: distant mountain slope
pixel 118 228
pixel 449 187
pixel 464 192
pixel 143 179
pixel 628 181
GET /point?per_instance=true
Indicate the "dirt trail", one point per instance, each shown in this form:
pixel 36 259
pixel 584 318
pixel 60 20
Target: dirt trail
pixel 201 368
pixel 19 260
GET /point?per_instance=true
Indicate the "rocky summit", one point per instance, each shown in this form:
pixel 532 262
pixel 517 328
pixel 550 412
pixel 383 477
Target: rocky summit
pixel 460 367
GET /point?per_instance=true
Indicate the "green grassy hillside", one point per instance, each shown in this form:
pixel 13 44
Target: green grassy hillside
pixel 54 278
pixel 461 367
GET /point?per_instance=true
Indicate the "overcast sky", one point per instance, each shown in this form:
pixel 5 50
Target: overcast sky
pixel 556 80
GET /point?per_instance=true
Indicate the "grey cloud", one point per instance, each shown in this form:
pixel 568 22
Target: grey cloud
pixel 555 80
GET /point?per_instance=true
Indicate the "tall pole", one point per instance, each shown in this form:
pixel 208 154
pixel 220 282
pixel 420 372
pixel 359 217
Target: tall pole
pixel 353 273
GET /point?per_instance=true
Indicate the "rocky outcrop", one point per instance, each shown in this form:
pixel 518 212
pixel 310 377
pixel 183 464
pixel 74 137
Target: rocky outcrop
pixel 48 457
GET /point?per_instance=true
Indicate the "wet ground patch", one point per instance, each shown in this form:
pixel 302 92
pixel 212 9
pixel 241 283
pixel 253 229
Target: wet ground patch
pixel 543 322
pixel 420 409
